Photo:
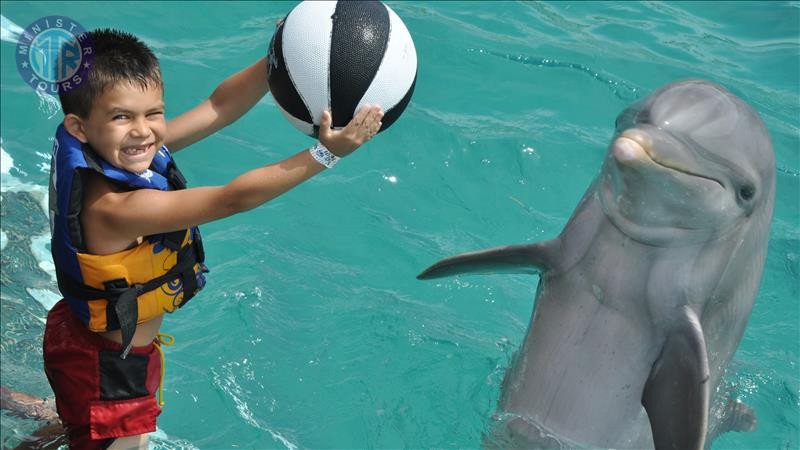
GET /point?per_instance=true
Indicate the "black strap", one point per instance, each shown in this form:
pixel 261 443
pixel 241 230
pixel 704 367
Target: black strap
pixel 175 177
pixel 124 298
pixel 174 239
pixel 127 310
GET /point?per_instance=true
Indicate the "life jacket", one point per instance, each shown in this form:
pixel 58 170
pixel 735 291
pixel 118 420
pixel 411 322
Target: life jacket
pixel 123 289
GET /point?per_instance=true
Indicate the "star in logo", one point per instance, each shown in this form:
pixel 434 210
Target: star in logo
pixel 86 65
pixel 24 65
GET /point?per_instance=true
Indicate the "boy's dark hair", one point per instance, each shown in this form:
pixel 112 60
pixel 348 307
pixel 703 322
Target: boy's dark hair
pixel 118 56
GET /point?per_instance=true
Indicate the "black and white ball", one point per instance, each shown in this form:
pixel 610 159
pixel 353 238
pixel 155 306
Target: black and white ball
pixel 339 56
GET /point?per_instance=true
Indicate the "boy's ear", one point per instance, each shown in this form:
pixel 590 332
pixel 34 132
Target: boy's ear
pixel 74 126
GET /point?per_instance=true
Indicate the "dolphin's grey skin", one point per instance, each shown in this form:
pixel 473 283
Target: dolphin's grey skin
pixel 645 294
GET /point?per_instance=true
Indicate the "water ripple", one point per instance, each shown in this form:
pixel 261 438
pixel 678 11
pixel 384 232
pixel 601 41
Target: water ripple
pixel 620 88
pixel 228 383
pixel 788 171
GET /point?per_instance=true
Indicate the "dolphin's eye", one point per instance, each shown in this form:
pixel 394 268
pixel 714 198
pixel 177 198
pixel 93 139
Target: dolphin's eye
pixel 621 123
pixel 631 116
pixel 643 116
pixel 747 192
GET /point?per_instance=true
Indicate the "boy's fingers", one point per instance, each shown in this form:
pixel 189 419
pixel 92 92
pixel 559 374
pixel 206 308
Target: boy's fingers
pixel 325 123
pixel 374 120
pixel 326 119
pixel 371 123
pixel 365 124
pixel 376 114
pixel 362 115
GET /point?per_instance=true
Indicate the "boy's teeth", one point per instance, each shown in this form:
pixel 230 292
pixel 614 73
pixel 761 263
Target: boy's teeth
pixel 136 150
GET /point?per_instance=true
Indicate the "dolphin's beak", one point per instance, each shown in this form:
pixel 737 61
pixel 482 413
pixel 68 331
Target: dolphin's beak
pixel 631 147
pixel 628 150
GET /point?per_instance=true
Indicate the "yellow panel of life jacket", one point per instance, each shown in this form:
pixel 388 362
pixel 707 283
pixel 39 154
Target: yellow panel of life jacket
pixel 137 265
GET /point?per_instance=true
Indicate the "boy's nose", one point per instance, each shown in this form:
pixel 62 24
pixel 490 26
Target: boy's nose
pixel 140 128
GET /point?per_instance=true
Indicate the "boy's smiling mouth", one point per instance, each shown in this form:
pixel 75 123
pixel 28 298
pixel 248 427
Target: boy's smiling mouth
pixel 136 150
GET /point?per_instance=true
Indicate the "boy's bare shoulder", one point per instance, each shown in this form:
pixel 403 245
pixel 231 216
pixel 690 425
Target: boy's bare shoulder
pixel 98 193
pixel 100 198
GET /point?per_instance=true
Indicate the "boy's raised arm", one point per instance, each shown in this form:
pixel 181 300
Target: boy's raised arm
pixel 232 98
pixel 119 216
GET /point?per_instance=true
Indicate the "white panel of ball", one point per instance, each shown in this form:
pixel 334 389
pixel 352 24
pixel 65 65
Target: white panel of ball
pixel 397 70
pixel 306 51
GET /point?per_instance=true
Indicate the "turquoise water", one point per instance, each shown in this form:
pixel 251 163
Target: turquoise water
pixel 313 331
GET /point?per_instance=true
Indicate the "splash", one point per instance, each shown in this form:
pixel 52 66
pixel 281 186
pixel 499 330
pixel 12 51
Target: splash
pixel 10 183
pixel 48 104
pixel 788 171
pixel 38 244
pixel 10 30
pixel 160 440
pixel 228 383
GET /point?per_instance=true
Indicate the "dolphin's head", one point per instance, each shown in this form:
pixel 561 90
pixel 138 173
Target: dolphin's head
pixel 688 163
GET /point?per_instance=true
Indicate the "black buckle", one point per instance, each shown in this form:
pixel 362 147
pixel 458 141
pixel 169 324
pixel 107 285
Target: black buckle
pixel 117 284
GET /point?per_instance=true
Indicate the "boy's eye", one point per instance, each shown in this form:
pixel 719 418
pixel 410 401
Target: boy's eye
pixel 120 117
pixel 156 113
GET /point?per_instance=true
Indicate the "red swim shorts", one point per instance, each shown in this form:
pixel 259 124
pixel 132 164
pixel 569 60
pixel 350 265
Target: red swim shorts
pixel 99 396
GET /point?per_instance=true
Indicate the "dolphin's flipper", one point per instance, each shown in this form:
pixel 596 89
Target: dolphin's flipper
pixel 733 416
pixel 739 417
pixel 676 395
pixel 531 258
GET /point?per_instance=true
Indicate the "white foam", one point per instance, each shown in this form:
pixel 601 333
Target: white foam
pixel 10 30
pixel 45 297
pixel 10 183
pixel 40 251
pixel 159 439
pixel 3 240
pixel 6 161
pixel 231 387
pixel 48 104
pixel 39 244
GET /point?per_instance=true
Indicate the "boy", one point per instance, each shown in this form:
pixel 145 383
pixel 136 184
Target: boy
pixel 125 242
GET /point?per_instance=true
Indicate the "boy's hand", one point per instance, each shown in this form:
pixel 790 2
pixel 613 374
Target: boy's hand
pixel 362 128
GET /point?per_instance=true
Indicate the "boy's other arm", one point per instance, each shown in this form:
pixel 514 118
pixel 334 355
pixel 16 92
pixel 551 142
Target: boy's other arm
pixel 114 217
pixel 234 97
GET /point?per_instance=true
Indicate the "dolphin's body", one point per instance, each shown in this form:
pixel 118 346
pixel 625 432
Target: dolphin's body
pixel 645 294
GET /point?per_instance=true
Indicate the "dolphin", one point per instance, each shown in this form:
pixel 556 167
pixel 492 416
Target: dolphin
pixel 644 296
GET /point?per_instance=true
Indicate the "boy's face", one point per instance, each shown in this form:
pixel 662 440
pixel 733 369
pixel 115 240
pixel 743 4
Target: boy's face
pixel 126 126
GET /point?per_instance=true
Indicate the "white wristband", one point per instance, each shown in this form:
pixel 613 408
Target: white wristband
pixel 323 155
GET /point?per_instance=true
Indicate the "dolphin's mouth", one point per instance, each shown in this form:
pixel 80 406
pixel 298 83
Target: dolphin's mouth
pixel 633 144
